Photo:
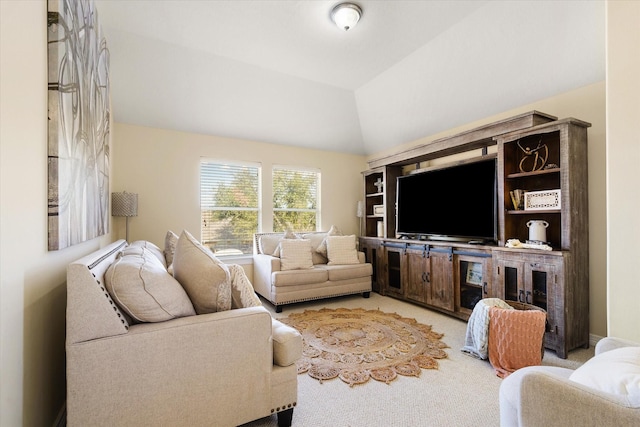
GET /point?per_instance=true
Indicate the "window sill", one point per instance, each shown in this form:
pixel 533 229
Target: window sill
pixel 236 259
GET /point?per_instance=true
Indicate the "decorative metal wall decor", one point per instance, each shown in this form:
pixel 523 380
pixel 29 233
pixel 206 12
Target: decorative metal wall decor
pixel 78 123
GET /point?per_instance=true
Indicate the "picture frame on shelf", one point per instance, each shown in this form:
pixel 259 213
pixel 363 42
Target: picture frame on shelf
pixel 474 273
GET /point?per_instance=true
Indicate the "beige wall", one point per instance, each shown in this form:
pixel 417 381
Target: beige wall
pixel 623 166
pixel 32 280
pixel 163 167
pixel 588 104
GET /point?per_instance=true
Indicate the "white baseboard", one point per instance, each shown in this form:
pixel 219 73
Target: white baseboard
pixel 593 339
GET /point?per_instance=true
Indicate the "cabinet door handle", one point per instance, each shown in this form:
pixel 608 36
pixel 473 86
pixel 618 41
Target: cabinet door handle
pixel 484 288
pixel 428 277
pixel 521 296
pixel 424 276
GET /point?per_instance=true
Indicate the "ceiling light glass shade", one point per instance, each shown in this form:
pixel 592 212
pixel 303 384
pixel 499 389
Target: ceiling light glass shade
pixel 346 15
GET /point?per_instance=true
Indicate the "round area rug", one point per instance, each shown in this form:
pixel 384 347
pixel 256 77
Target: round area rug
pixel 358 344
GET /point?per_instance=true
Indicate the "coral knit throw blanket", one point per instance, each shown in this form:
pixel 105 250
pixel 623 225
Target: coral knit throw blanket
pixel 515 339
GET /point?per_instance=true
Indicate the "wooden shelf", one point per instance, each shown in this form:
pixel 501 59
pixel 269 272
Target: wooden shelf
pixel 536 212
pixel 529 174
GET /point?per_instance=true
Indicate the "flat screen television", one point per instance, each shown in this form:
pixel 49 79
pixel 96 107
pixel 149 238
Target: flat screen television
pixel 457 202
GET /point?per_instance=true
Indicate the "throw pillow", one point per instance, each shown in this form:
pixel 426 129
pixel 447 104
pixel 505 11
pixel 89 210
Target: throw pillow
pixel 205 278
pixel 170 241
pixel 614 371
pixel 242 292
pixel 342 250
pixel 322 248
pixel 287 235
pixel 295 254
pixel 139 283
pixel 150 247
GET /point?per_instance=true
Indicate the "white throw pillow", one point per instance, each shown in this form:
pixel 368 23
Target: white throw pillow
pixel 139 283
pixel 342 250
pixel 150 247
pixel 287 235
pixel 205 278
pixel 170 242
pixel 322 248
pixel 295 254
pixel 242 293
pixel 615 371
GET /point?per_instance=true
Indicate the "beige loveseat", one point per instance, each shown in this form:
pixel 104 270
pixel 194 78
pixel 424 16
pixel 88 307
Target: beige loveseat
pixel 604 391
pixel 218 369
pixel 318 280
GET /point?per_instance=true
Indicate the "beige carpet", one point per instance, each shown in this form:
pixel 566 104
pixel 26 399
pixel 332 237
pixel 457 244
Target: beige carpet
pixel 357 345
pixel 463 391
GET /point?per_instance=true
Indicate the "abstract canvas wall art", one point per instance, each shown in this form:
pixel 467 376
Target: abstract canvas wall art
pixel 78 123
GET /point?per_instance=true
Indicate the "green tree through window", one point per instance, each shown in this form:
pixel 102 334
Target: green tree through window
pixel 295 199
pixel 229 202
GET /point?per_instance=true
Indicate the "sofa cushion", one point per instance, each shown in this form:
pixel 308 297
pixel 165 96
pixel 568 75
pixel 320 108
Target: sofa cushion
pixel 141 286
pixel 203 276
pixel 287 344
pixel 322 248
pixel 151 248
pixel 242 293
pixel 170 241
pixel 615 371
pixel 300 277
pixel 342 250
pixel 348 271
pixel 295 254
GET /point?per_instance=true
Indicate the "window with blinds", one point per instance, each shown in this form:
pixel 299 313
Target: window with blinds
pixel 295 199
pixel 229 205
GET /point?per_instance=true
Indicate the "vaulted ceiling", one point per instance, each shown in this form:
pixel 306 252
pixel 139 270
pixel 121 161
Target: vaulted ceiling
pixel 282 72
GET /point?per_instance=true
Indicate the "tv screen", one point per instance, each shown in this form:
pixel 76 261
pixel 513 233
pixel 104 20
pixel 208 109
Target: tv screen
pixel 455 202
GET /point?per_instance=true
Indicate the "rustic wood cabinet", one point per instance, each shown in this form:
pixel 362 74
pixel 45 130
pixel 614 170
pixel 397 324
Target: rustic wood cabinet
pixel 373 255
pixel 379 212
pixel 536 153
pixel 473 278
pixel 393 278
pixel 537 279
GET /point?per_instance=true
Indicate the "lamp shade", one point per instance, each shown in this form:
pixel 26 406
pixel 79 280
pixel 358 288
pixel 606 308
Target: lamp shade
pixel 360 209
pixel 124 204
pixel 346 15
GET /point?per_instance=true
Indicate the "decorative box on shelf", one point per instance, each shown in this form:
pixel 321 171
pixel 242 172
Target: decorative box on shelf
pixel 542 200
pixel 378 209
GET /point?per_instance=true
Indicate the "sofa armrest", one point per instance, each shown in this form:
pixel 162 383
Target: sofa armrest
pixel 287 344
pixel 547 399
pixel 361 257
pixel 611 343
pixel 263 267
pixel 177 368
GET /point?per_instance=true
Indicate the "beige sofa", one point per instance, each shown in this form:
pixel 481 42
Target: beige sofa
pixel 320 281
pixel 224 368
pixel 605 391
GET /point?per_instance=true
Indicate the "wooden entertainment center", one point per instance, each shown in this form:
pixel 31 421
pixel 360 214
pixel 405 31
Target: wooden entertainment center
pixel 535 152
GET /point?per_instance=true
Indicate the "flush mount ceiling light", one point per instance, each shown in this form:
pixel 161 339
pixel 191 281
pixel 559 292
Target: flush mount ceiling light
pixel 346 15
